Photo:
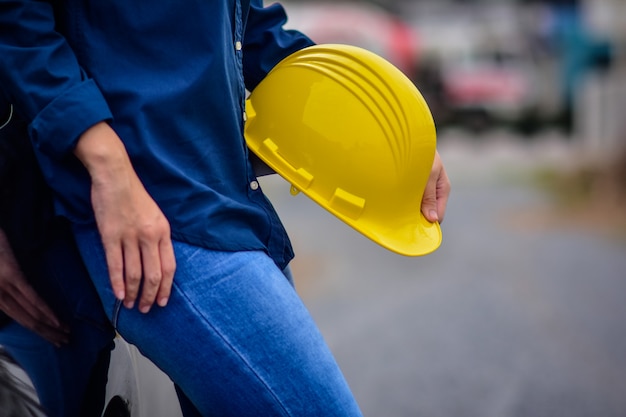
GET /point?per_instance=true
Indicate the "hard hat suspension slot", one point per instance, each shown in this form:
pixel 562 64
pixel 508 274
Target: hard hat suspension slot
pixel 347 204
pixel 300 177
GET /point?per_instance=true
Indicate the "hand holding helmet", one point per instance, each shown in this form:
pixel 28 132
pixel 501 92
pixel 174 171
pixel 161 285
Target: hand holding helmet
pixel 436 193
pixel 353 133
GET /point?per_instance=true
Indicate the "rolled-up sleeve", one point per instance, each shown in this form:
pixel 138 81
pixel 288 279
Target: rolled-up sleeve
pixel 41 75
pixel 57 127
pixel 266 42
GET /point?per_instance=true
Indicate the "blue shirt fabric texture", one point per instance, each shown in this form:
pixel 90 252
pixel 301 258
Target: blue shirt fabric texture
pixel 170 77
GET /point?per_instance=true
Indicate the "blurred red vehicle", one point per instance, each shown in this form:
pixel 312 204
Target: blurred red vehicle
pixel 478 69
pixel 492 87
pixel 357 24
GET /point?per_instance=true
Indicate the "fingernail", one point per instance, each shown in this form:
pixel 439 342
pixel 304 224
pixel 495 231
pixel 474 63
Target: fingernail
pixel 433 215
pixel 163 301
pixel 144 309
pixel 129 304
pixel 120 295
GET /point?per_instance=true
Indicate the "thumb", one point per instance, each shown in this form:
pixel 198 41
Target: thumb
pixel 429 201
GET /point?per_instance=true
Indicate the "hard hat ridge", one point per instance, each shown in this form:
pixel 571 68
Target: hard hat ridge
pixel 369 86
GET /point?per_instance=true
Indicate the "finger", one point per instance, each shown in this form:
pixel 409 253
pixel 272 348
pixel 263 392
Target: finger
pixel 152 276
pixel 132 272
pixel 429 200
pixel 35 306
pixel 115 265
pixel 443 193
pixel 168 269
pixel 53 334
pixel 13 309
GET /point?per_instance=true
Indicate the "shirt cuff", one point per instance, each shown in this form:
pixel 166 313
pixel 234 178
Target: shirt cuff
pixel 56 129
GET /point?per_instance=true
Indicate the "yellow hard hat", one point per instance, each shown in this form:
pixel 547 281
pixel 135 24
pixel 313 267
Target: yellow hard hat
pixel 352 132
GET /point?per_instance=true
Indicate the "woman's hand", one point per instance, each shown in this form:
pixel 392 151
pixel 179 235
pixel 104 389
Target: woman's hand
pixel 134 230
pixel 436 193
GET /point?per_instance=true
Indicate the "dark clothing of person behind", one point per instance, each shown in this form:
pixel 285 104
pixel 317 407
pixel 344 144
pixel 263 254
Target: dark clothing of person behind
pixel 25 200
pixel 71 380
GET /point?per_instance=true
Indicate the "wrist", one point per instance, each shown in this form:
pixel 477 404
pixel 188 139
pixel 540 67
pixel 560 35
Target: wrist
pixel 101 151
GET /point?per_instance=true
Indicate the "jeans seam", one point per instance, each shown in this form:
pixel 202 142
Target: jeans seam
pixel 234 350
pixel 116 313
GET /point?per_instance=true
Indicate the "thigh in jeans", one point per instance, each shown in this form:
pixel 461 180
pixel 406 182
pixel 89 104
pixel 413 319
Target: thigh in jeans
pixel 236 338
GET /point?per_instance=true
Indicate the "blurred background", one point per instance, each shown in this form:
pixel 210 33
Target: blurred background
pixel 521 311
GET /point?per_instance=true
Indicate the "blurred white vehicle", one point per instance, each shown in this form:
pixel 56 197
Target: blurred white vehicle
pixel 495 86
pixel 136 387
pixel 487 73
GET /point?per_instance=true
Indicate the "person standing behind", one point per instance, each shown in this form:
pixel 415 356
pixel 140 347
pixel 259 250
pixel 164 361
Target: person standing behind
pixel 136 110
pixel 62 339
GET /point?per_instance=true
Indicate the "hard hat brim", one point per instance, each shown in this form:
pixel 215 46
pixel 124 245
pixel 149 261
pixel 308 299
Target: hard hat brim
pixel 415 239
pixel 416 236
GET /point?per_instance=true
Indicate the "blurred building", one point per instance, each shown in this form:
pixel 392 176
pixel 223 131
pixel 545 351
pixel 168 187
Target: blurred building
pixel 527 64
pixel 357 23
pixel 523 64
pixel 602 98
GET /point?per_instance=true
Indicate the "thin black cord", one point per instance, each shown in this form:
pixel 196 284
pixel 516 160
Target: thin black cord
pixel 9 119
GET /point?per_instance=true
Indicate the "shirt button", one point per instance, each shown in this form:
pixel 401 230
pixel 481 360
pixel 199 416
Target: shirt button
pixel 254 185
pixel 238 46
pixel 245 116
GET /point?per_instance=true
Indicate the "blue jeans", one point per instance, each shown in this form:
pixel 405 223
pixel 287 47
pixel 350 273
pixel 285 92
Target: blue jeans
pixel 70 381
pixel 235 337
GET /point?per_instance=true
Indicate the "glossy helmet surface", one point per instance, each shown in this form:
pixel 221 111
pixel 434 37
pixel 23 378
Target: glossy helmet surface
pixel 352 132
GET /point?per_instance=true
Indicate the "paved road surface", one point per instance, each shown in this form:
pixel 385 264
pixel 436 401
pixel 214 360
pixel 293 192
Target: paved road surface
pixel 510 317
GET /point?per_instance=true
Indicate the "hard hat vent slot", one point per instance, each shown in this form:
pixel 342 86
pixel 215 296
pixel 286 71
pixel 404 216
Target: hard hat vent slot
pixel 347 204
pixel 299 176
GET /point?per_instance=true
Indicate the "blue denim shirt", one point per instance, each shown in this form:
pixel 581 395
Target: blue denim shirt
pixel 170 77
